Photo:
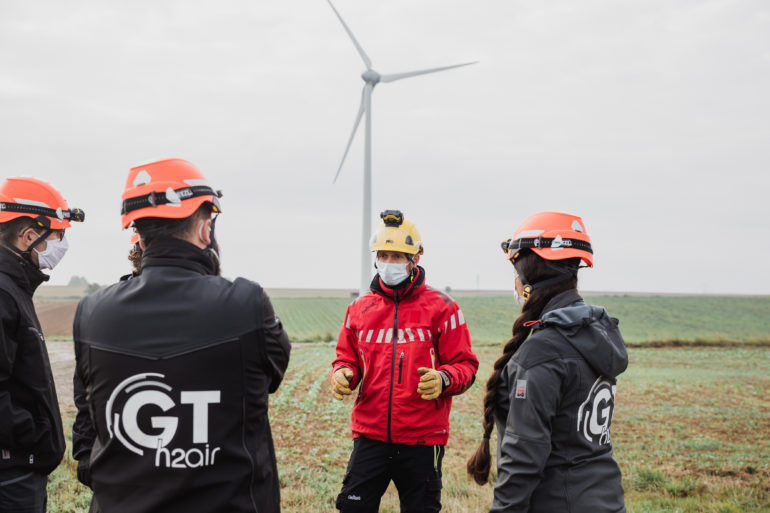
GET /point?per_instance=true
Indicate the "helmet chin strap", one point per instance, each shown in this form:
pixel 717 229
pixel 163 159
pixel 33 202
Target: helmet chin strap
pixel 27 253
pixel 213 248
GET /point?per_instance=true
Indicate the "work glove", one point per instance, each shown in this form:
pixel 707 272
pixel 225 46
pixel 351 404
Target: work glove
pixel 84 471
pixel 431 383
pixel 341 383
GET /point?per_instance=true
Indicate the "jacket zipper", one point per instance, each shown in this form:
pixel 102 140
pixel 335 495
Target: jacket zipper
pixel 400 366
pixel 363 377
pixel 433 366
pixel 393 363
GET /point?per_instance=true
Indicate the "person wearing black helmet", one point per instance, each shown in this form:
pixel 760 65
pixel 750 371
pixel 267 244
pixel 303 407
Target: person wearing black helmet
pixel 33 219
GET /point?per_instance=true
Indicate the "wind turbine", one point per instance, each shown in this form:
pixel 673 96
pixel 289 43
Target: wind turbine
pixel 371 79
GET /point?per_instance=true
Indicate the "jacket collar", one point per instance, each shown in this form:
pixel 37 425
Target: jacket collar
pixel 412 285
pixel 23 273
pixel 561 300
pixel 173 252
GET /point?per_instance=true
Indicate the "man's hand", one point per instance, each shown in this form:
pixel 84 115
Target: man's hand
pixel 431 384
pixel 84 471
pixel 341 383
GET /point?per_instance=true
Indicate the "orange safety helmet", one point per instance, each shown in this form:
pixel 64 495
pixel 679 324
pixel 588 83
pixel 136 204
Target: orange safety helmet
pixel 25 196
pixel 171 188
pixel 552 236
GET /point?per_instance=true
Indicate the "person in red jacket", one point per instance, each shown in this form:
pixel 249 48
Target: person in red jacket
pixel 407 348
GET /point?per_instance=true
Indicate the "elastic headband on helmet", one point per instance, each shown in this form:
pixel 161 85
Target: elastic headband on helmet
pixel 154 199
pixel 43 213
pixel 510 245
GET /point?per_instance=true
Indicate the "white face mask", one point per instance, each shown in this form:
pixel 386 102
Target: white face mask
pixel 53 253
pixel 392 274
pixel 519 299
pixel 516 297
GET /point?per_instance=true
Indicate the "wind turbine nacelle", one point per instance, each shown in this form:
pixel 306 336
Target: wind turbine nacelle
pixel 371 77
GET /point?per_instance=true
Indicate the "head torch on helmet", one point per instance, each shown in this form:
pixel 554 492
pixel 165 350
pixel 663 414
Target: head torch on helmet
pixel 30 197
pixel 396 233
pixel 552 236
pixel 170 188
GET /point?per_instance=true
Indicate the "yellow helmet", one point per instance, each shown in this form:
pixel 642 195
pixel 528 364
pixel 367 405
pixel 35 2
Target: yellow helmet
pixel 396 233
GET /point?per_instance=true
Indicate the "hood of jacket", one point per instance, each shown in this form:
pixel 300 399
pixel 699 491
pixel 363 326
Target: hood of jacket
pixel 173 252
pixel 590 330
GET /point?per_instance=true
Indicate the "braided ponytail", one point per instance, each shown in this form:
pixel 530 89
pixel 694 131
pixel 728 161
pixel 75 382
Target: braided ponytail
pixel 535 269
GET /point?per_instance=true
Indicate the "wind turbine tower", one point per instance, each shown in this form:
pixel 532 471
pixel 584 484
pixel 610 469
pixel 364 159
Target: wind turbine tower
pixel 371 78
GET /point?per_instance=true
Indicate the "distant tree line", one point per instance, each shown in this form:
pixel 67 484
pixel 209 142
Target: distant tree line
pixel 80 281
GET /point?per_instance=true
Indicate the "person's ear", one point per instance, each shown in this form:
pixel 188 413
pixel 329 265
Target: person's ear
pixel 204 232
pixel 416 259
pixel 27 238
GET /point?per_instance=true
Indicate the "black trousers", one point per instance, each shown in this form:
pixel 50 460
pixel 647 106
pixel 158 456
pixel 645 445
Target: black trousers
pixel 414 469
pixel 23 492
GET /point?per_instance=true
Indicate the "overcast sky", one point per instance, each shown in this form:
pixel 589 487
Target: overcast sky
pixel 650 119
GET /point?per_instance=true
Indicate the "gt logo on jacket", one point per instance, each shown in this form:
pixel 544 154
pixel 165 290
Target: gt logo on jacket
pixel 595 414
pixel 132 417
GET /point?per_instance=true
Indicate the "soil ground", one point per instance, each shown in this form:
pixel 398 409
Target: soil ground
pixel 691 433
pixel 62 356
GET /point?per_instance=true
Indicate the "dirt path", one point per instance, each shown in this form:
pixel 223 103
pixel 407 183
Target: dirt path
pixel 62 356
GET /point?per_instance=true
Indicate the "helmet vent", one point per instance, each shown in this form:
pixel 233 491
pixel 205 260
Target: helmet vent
pixel 34 203
pixel 409 240
pixel 142 178
pixel 576 226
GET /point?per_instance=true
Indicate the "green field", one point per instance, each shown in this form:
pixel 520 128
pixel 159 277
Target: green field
pixel 643 319
pixel 691 432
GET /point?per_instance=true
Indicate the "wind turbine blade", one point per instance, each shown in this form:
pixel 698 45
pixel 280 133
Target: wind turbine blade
pixel 361 51
pixel 360 114
pixel 398 76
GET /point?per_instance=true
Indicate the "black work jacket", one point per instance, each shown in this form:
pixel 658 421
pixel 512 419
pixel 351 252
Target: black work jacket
pixel 173 371
pixel 554 410
pixel 31 434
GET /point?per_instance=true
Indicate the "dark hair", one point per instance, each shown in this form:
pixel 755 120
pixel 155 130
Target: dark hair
pixel 533 269
pixel 9 231
pixel 135 257
pixel 151 228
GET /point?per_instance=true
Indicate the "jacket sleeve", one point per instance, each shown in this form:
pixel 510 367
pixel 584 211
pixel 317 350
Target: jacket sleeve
pixel 83 431
pixel 277 346
pixel 455 357
pixel 17 428
pixel 347 349
pixel 526 443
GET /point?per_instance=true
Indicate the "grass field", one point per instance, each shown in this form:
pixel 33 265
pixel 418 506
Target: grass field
pixel 643 319
pixel 691 432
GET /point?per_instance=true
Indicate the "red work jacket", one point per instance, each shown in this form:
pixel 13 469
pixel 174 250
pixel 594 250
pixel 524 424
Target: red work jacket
pixel 386 336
